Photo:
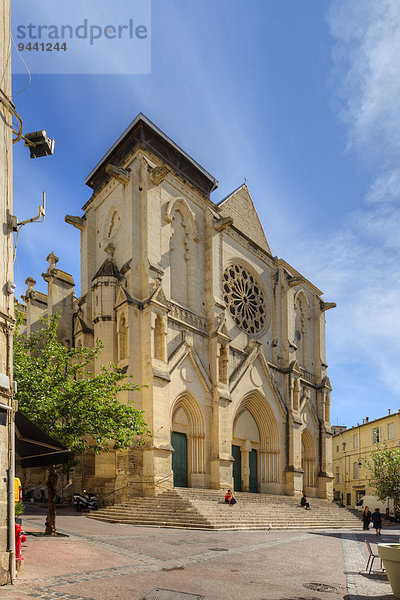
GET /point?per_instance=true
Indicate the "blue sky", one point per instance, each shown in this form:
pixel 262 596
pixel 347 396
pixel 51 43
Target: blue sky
pixel 301 97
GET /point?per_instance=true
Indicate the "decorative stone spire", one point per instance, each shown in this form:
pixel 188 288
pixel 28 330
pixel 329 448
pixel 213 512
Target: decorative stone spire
pixel 109 267
pixel 52 259
pixel 30 282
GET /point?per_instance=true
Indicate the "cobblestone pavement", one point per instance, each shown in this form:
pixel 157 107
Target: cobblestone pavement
pixel 359 583
pixel 104 561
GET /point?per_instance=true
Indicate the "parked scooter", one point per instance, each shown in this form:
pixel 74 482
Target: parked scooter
pixel 85 501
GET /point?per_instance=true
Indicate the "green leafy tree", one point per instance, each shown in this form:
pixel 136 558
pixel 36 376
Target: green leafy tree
pixel 384 469
pixel 77 408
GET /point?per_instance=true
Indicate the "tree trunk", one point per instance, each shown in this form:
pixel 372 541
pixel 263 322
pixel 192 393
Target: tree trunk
pixel 51 505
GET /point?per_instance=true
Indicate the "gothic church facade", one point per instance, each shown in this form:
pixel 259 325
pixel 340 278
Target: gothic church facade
pixel 188 298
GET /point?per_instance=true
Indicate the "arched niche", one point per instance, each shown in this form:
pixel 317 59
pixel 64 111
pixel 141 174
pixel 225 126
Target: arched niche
pixel 303 333
pixel 182 253
pixel 122 336
pixel 159 338
pixel 308 460
pixel 187 418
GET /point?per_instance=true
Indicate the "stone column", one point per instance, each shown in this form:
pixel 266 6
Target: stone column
pixel 245 452
pixel 325 475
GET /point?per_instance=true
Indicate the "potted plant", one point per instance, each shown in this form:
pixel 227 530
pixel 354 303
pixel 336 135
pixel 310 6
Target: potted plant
pixel 390 555
pixel 19 510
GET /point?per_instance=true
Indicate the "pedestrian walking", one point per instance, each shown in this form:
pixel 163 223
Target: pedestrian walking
pixel 377 521
pixel 366 517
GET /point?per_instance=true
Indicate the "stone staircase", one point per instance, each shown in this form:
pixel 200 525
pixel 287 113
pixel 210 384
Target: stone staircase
pixel 193 508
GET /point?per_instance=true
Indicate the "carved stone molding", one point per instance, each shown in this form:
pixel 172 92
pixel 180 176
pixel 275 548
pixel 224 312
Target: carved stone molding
pixel 158 174
pixel 119 173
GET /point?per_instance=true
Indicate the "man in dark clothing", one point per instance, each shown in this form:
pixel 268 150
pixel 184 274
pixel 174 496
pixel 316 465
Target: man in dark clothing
pixel 304 502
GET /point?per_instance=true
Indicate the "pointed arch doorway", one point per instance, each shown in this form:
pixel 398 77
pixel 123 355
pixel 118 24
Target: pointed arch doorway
pixel 308 462
pixel 187 440
pixel 255 445
pixel 245 470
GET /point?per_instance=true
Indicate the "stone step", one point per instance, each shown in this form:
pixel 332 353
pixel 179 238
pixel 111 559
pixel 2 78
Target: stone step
pixel 238 510
pixel 222 514
pixel 205 509
pixel 240 513
pixel 225 526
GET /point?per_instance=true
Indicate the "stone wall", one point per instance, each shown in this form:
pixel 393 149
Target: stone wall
pixel 6 295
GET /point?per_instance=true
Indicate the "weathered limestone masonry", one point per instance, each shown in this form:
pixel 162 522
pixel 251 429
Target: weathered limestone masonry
pixel 6 299
pixel 230 341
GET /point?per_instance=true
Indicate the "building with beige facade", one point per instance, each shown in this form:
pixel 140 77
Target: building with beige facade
pixel 351 449
pixel 6 303
pixel 188 297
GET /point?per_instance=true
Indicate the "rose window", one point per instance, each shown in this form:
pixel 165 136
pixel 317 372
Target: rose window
pixel 244 299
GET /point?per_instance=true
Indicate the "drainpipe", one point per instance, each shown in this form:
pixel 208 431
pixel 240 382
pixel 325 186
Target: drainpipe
pixel 10 493
pixel 11 528
pixel 11 463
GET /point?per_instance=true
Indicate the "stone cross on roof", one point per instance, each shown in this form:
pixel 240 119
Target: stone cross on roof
pixel 30 282
pixel 52 259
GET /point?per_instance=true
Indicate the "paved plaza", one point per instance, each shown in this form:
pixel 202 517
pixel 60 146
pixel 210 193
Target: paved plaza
pixel 105 561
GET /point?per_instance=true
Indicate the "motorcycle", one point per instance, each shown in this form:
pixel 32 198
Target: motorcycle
pixel 85 501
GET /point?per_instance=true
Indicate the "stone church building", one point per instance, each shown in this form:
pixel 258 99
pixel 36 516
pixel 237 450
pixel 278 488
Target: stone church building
pixel 189 299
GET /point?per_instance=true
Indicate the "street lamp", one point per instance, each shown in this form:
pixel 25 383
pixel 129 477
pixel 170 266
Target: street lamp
pixel 39 144
pixel 344 474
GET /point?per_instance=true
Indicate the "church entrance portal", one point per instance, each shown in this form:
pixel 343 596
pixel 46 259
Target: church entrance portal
pixel 237 468
pixel 179 459
pixel 253 487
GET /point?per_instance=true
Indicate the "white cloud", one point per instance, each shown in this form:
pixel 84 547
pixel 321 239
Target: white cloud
pixel 359 267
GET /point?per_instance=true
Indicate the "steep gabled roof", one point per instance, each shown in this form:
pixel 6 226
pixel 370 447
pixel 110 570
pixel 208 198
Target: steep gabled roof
pixel 240 206
pixel 142 132
pixel 107 269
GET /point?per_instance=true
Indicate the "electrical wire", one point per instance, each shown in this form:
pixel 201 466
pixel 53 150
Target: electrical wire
pixel 15 247
pixel 11 108
pixel 19 274
pixel 26 67
pixel 9 105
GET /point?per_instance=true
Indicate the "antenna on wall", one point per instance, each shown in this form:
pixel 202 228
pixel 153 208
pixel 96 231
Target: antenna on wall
pixel 14 225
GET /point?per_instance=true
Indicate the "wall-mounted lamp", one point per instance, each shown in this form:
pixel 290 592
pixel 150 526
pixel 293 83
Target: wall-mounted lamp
pixel 39 144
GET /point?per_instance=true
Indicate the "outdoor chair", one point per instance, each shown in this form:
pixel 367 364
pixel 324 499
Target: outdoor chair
pixel 371 558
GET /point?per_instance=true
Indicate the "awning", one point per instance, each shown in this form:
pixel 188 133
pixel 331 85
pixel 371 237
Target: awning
pixel 34 447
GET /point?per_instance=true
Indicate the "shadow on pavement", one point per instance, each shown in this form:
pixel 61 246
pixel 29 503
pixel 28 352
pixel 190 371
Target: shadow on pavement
pixel 374 576
pixel 361 536
pixel 385 597
pixel 35 511
pixel 298 598
pixel 346 597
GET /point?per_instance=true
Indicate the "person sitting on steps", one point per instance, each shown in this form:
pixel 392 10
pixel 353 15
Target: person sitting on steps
pixel 230 498
pixel 304 502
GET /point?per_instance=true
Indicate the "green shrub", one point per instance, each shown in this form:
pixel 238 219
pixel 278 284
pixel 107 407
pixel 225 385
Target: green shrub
pixel 19 509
